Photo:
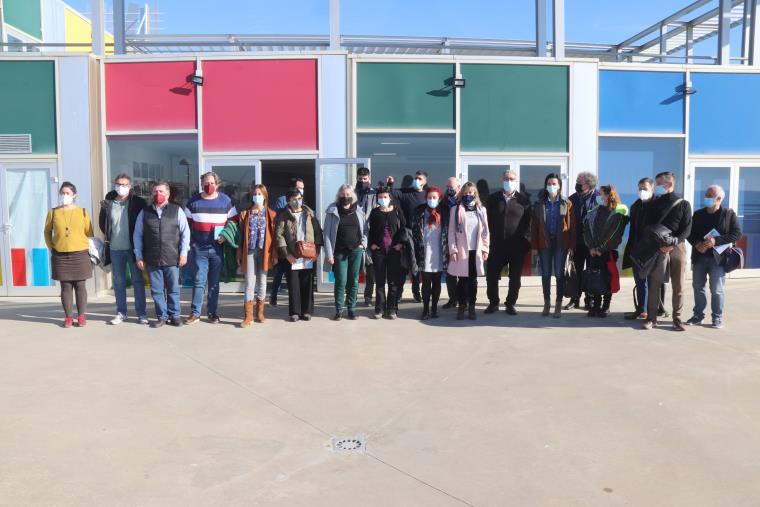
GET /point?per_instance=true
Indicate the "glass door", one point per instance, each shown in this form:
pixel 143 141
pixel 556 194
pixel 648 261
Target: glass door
pixel 25 198
pixel 747 209
pixel 331 174
pixel 237 174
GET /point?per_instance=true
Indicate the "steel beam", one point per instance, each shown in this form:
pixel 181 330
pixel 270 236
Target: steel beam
pixel 540 27
pixel 753 49
pixel 334 24
pixel 119 23
pixel 724 32
pixel 558 40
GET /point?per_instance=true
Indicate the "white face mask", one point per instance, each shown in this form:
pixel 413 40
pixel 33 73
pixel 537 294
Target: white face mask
pixel 510 185
pixel 645 195
pixel 122 190
pixel 384 201
pixel 65 199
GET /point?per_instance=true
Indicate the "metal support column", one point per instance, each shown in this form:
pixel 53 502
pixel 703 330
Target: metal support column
pixel 663 41
pixel 119 42
pixel 2 27
pixel 724 32
pixel 540 27
pixel 689 43
pixel 97 13
pixel 334 24
pixel 558 41
pixel 753 50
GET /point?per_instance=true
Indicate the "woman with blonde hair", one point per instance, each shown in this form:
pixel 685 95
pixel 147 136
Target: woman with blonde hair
pixel 468 247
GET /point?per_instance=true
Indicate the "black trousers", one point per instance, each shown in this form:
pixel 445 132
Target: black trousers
pixel 387 270
pixel 300 291
pixel 600 263
pixel 512 256
pixel 70 290
pixel 467 286
pixel 369 281
pixel 581 257
pixel 451 287
pixel 431 289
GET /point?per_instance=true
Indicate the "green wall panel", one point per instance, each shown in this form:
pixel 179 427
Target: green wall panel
pixel 404 95
pixel 24 15
pixel 27 102
pixel 514 108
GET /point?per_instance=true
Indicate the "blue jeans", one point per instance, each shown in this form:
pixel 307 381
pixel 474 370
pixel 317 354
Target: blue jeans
pixel 208 268
pixel 164 285
pixel 701 268
pixel 642 290
pixel 121 260
pixel 552 259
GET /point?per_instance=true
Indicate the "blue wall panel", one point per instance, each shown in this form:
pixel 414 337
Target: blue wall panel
pixel 635 101
pixel 725 113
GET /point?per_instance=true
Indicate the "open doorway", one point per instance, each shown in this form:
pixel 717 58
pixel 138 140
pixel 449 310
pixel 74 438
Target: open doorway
pixel 276 175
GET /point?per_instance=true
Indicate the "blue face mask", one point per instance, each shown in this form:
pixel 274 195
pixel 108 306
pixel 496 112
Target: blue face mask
pixel 416 184
pixel 257 199
pixel 599 200
pixel 467 200
pixel 509 186
pixel 552 189
pixel 432 203
pixel 384 201
pixel 660 190
pixel 708 202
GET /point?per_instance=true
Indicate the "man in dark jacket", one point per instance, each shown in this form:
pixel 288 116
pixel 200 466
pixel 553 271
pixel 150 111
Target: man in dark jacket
pixel 452 190
pixel 674 214
pixel 509 224
pixel 712 227
pixel 584 200
pixel 638 215
pixel 118 214
pixel 367 200
pixel 409 199
pixel 162 242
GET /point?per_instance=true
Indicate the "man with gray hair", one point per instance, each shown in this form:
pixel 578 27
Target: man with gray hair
pixel 584 200
pixel 711 227
pixel 509 215
pixel 452 190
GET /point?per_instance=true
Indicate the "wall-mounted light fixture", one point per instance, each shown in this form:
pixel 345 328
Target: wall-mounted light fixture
pixel 458 82
pixel 688 89
pixel 197 77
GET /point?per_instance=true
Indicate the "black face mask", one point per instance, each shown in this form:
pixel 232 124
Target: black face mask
pixel 579 188
pixel 343 200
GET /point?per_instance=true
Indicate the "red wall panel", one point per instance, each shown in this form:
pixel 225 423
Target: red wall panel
pixel 150 96
pixel 259 105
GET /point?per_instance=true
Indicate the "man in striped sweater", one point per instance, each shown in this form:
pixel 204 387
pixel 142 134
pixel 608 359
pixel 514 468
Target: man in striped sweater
pixel 207 213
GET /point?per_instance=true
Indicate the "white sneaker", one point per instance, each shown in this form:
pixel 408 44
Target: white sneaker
pixel 143 320
pixel 118 319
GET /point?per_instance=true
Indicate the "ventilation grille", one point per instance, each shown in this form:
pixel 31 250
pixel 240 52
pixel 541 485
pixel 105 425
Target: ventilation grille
pixel 15 143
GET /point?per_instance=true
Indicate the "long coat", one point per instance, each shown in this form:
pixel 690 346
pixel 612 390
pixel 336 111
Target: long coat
pixel 330 231
pixel 458 242
pixel 270 248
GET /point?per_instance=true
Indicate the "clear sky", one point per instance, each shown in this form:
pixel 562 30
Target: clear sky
pixel 605 21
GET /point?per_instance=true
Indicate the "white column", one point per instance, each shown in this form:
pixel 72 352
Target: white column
pixel 540 27
pixel 559 28
pixel 97 14
pixel 334 24
pixel 724 32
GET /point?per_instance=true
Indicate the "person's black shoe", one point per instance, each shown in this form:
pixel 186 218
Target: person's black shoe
pixel 157 323
pixel 417 297
pixel 592 313
pixel 273 300
pixel 511 310
pixel 572 304
pixel 214 318
pixel 678 325
pixel 425 316
pixel 451 304
pixel 460 312
pixel 351 315
pixel 603 313
pixel 434 314
pixel 492 308
pixel 338 316
pixel 176 322
pixel 367 302
pixel 471 312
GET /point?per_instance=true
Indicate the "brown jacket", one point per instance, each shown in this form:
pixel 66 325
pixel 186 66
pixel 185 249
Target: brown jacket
pixel 286 234
pixel 539 235
pixel 270 248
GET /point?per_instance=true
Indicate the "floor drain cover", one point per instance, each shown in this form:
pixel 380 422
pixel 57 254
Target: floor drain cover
pixel 349 444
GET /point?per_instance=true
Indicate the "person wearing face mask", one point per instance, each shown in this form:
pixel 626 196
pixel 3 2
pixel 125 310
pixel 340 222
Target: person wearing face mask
pixel 552 234
pixel 469 242
pixel 207 213
pixel 602 232
pixel 509 221
pixel 256 252
pixel 367 200
pixel 672 214
pixel 280 270
pixel 638 215
pixel 410 198
pixel 583 200
pixel 712 226
pixel 450 200
pixel 67 229
pixel 387 235
pixel 162 242
pixel 299 237
pixel 430 233
pixel 118 214
pixel 345 237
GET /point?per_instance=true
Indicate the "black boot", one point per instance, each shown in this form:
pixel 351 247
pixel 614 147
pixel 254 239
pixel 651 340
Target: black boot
pixel 605 310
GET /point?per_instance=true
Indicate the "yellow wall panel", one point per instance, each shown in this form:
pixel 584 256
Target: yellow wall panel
pixel 79 31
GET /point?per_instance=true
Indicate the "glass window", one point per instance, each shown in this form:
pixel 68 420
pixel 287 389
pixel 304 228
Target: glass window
pixel 706 176
pixel 401 155
pixel 749 215
pixel 532 179
pixel 487 177
pixel 151 158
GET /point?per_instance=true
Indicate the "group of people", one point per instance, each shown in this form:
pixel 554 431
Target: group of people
pixel 421 232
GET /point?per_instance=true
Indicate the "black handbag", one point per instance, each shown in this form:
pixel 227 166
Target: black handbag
pixel 594 282
pixel 732 259
pixel 571 287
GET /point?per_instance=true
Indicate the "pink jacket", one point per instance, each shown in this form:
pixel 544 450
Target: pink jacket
pixel 458 241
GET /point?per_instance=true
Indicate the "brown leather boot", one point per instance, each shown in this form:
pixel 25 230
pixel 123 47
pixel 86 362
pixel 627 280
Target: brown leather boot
pixel 260 309
pixel 248 314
